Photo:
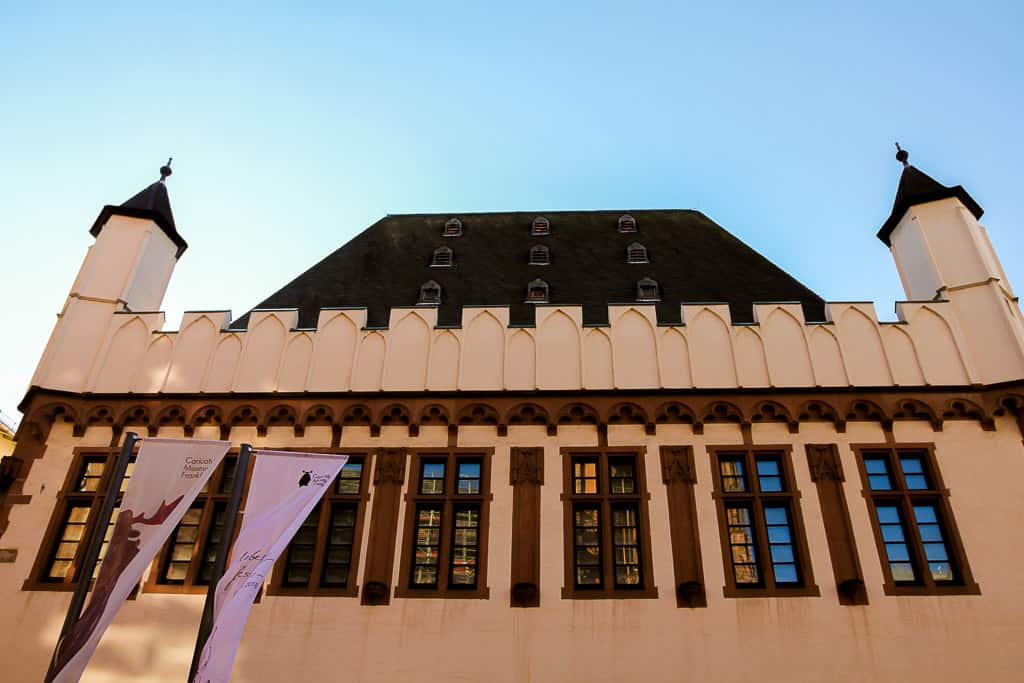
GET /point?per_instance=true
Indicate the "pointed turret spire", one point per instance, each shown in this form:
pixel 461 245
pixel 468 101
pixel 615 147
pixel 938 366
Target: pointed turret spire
pixel 918 188
pixel 152 203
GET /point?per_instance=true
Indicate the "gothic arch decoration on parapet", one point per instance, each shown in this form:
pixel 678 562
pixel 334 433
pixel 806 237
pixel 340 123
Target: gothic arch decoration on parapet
pixel 578 414
pixel 52 412
pixel 629 413
pixel 674 412
pixel 171 416
pixel 394 415
pixel 722 411
pixel 318 415
pixel 207 415
pixel 821 411
pixel 210 415
pixel 134 416
pixel 527 414
pixel 247 416
pixel 964 409
pixel 357 414
pixel 478 414
pixel 1008 403
pixel 772 411
pixel 100 416
pixel 434 415
pixel 863 410
pixel 284 415
pixel 912 409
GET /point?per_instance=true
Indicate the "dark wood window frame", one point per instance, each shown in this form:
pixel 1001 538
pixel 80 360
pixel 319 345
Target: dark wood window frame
pixel 449 501
pixel 753 497
pixel 215 498
pixel 936 494
pixel 331 500
pixel 66 499
pixel 606 500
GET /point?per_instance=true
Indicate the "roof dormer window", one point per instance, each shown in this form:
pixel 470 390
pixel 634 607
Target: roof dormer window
pixel 627 223
pixel 541 226
pixel 540 255
pixel 636 253
pixel 430 293
pixel 647 290
pixel 453 228
pixel 537 292
pixel 442 258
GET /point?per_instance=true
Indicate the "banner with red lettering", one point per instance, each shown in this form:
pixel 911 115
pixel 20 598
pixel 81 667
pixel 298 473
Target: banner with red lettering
pixel 168 475
pixel 284 489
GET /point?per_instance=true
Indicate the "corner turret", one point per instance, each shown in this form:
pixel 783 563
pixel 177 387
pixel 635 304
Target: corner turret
pixel 942 252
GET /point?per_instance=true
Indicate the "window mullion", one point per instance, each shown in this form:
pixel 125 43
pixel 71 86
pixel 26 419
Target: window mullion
pixel 444 552
pixel 320 544
pixel 764 560
pixel 200 543
pixel 921 565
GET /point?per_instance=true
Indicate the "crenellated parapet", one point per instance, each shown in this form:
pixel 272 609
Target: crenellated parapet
pixel 925 348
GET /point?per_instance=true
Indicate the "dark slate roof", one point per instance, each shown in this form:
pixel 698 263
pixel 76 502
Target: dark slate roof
pixel 152 203
pixel 691 258
pixel 917 188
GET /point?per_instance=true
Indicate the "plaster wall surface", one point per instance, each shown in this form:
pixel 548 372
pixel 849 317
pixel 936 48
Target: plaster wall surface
pixel 920 638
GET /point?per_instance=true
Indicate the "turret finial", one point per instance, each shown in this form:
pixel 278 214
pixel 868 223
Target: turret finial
pixel 902 155
pixel 165 170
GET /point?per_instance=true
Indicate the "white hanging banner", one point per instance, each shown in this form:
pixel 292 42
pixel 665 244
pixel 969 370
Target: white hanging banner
pixel 284 489
pixel 168 475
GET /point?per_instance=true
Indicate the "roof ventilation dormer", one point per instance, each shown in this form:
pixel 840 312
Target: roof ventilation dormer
pixel 636 253
pixel 537 292
pixel 627 223
pixel 540 226
pixel 442 258
pixel 647 290
pixel 430 293
pixel 453 228
pixel 540 255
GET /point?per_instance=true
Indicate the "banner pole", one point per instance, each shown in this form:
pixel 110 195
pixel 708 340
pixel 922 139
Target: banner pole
pixel 220 563
pixel 99 530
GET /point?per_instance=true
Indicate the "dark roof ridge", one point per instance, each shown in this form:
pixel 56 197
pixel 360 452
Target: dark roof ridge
pixel 537 212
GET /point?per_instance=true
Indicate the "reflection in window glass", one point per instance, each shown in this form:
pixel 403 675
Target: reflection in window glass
pixel 432 479
pixel 878 473
pixel 768 476
pixel 626 545
pixel 896 549
pixel 584 475
pixel 465 546
pixel 935 552
pixel 732 476
pixel 428 546
pixel 587 546
pixel 469 478
pixel 740 528
pixel 623 477
pixel 780 545
pixel 913 472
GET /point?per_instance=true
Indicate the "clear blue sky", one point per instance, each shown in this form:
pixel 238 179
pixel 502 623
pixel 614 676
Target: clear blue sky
pixel 294 128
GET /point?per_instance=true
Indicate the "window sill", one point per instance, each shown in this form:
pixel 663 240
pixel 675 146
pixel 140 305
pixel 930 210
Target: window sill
pixel 450 594
pixel 966 589
pixel 295 591
pixel 796 592
pixel 610 593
